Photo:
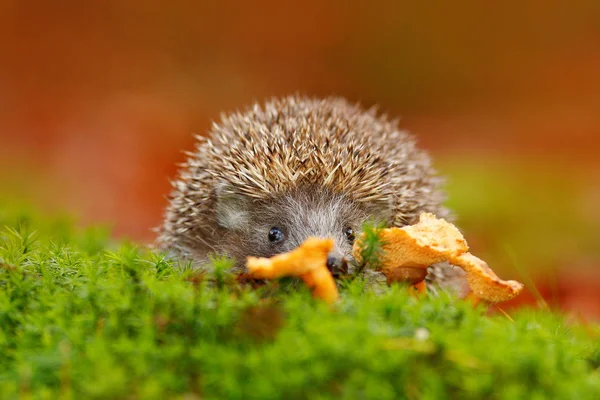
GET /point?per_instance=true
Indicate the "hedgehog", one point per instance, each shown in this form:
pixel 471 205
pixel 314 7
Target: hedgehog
pixel 265 179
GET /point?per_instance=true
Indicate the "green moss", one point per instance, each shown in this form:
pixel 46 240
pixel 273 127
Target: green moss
pixel 82 317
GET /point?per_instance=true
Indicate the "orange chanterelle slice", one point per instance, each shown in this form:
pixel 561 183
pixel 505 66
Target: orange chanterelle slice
pixel 409 251
pixel 308 261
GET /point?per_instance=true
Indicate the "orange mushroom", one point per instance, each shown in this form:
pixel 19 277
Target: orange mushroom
pixel 409 251
pixel 308 261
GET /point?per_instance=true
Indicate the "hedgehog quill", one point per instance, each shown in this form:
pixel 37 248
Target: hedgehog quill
pixel 265 179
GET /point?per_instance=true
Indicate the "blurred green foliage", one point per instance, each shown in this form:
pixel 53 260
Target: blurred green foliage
pixel 540 215
pixel 81 317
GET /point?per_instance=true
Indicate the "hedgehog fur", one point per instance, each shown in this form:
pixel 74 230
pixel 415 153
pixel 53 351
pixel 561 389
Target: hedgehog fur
pixel 308 167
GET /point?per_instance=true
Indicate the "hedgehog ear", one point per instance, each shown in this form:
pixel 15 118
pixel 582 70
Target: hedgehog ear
pixel 232 208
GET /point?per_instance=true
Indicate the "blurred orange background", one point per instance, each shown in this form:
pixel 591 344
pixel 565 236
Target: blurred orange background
pixel 98 101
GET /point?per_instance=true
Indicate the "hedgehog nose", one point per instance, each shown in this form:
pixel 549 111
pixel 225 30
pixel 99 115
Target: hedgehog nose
pixel 338 266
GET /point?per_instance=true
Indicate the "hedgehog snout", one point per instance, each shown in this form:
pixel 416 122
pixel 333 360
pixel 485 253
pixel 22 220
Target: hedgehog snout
pixel 337 265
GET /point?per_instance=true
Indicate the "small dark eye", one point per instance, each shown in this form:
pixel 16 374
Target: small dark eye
pixel 349 233
pixel 275 235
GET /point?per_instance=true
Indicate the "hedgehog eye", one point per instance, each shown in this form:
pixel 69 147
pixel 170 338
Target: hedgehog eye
pixel 349 233
pixel 275 235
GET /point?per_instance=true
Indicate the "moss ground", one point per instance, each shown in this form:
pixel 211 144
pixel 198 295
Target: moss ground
pixel 84 317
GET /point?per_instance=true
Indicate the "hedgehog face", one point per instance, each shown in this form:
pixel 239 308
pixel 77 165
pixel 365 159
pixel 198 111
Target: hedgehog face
pixel 268 227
